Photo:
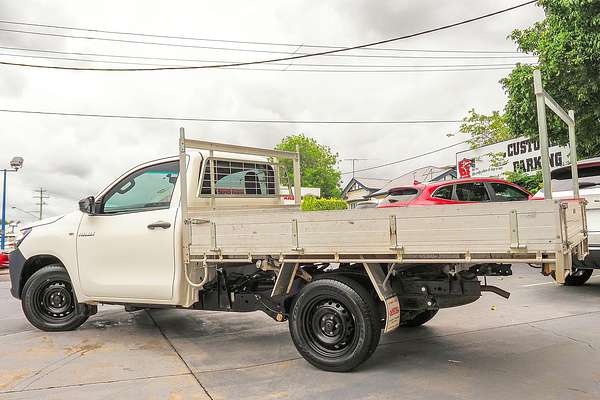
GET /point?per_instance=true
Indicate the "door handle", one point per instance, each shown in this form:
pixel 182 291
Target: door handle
pixel 159 224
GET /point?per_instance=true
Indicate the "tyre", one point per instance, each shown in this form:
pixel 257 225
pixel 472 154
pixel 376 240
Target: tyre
pixel 577 278
pixel 335 324
pixel 49 302
pixel 419 319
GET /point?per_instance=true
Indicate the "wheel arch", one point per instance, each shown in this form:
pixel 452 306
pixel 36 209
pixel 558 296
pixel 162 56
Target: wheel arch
pixel 34 264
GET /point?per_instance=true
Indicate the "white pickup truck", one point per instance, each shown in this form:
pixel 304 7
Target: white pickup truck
pixel 589 189
pixel 208 230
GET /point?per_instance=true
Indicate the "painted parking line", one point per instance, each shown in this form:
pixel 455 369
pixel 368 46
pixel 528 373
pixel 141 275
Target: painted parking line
pixel 552 282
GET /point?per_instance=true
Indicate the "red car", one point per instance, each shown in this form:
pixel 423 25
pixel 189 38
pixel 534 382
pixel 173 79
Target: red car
pixel 471 190
pixel 3 260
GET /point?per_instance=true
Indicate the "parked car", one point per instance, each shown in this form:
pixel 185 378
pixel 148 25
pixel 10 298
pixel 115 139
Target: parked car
pixel 3 260
pixel 470 190
pixel 589 188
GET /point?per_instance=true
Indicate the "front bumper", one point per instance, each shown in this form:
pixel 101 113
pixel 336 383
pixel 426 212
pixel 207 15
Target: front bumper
pixel 15 268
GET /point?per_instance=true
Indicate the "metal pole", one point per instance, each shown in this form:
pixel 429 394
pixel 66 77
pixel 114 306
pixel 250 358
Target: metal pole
pixel 297 178
pixel 213 181
pixel 183 197
pixel 3 239
pixel 573 155
pixel 538 89
pixel 41 197
pixel 41 204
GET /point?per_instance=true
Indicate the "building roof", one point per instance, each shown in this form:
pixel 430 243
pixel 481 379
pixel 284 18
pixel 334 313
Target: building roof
pixel 370 184
pixel 424 174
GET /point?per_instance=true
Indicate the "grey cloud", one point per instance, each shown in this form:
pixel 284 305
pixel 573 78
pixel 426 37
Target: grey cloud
pixel 74 157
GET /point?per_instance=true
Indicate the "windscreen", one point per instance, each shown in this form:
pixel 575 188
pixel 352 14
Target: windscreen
pixel 588 178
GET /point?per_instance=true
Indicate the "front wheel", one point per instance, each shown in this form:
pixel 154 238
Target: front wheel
pixel 49 302
pixel 335 324
pixel 577 278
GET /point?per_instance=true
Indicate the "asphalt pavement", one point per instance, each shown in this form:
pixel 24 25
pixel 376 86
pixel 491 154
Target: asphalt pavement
pixel 542 343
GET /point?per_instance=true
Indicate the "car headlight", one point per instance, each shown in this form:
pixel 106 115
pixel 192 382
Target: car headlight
pixel 24 233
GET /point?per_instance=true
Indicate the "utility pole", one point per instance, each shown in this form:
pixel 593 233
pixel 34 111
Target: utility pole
pixel 40 195
pixel 354 160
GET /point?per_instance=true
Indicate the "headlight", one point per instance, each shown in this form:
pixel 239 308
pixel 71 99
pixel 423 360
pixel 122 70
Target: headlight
pixel 24 233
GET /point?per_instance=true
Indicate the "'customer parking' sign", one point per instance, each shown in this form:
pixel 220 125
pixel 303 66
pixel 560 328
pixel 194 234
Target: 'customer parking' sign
pixel 521 153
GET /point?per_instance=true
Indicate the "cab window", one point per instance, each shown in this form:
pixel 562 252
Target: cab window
pixel 472 191
pixel 149 188
pixel 444 192
pixel 238 178
pixel 506 192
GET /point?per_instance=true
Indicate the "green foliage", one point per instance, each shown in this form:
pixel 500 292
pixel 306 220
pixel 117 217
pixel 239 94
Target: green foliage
pixel 532 183
pixel 311 203
pixel 485 129
pixel 318 164
pixel 567 43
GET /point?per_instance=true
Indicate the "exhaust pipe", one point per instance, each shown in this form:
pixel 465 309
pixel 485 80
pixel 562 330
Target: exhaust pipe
pixel 495 289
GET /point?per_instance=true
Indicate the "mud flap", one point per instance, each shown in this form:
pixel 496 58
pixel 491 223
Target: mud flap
pixel 392 314
pixel 385 294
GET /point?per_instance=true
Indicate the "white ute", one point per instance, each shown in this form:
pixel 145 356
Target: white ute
pixel 589 189
pixel 208 230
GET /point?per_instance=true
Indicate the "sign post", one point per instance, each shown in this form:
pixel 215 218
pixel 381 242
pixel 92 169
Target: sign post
pixel 543 99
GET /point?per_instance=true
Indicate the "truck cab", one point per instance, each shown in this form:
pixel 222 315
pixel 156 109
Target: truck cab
pixel 122 246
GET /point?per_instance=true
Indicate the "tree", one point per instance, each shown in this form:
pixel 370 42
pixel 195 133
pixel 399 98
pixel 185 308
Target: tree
pixel 485 129
pixel 531 182
pixel 567 43
pixel 318 164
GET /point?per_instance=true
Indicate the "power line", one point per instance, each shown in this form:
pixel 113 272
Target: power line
pixel 249 50
pixel 466 66
pixel 235 120
pixel 295 57
pixel 250 69
pixel 244 41
pixel 406 159
pixel 229 61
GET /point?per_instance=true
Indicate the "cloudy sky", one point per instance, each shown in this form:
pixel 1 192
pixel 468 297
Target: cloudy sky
pixel 73 157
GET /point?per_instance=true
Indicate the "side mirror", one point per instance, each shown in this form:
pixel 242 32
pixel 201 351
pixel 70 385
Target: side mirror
pixel 87 205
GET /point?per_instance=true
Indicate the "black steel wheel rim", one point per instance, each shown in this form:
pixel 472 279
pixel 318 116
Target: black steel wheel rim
pixel 54 300
pixel 329 327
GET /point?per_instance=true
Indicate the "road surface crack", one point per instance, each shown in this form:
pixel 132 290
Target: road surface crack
pixel 178 354
pixel 93 383
pixel 583 342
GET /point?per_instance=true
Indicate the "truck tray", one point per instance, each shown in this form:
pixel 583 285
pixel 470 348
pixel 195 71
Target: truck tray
pixel 526 231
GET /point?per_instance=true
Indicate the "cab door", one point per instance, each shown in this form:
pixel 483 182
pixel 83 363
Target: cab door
pixel 125 250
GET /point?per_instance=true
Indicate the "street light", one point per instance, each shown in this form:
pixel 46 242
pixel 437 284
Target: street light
pixel 15 164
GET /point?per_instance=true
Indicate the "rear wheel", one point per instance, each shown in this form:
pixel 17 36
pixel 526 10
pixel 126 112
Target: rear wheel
pixel 335 324
pixel 577 278
pixel 419 319
pixel 49 302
